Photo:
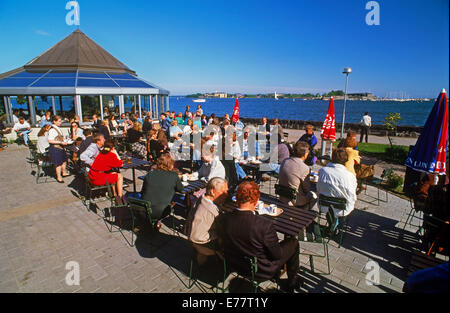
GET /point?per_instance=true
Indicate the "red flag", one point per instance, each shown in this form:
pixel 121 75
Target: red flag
pixel 235 116
pixel 329 129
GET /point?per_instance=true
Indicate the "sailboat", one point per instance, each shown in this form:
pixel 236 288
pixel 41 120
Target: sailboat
pixel 276 96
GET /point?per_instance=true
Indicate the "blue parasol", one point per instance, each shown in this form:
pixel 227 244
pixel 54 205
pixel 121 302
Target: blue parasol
pixel 429 153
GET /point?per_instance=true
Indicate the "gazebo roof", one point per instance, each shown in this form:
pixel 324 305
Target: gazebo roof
pixel 75 65
pixel 77 52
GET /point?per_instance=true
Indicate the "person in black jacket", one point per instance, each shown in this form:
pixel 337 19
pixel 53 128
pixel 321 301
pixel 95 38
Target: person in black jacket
pixel 245 234
pixel 160 186
pixel 96 122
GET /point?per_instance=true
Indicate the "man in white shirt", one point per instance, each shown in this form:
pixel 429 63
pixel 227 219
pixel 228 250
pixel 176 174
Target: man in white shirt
pixel 336 181
pixel 89 155
pixel 22 128
pixel 366 123
pixel 212 167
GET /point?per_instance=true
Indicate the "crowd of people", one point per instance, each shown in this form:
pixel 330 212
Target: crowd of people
pixel 223 144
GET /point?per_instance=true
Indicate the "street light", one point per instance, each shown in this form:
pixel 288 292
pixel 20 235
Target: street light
pixel 346 71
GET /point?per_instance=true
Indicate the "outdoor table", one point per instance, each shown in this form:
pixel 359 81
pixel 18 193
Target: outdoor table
pixel 250 168
pixel 135 162
pixel 192 187
pixel 291 222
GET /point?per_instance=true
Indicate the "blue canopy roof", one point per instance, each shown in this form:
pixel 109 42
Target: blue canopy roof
pixel 73 79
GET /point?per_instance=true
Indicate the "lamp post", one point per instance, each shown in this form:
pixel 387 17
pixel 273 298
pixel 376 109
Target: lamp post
pixel 346 71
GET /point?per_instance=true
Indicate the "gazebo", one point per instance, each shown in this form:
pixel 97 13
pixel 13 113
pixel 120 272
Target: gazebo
pixel 77 76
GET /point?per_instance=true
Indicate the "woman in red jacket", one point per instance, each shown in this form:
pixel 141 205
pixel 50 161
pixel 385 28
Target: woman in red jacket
pixel 101 170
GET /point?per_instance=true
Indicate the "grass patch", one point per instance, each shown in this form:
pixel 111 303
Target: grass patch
pixel 394 154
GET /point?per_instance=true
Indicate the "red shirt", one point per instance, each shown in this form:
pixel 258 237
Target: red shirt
pixel 104 162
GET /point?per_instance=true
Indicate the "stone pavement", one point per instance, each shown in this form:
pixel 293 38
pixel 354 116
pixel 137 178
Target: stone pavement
pixel 44 226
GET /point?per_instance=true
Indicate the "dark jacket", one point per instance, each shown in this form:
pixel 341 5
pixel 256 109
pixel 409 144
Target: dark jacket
pixel 102 129
pixel 245 234
pixel 159 188
pixel 134 135
pixel 84 145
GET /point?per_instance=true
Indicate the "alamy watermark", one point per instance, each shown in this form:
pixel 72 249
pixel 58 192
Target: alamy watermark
pixel 373 16
pixel 253 142
pixel 373 276
pixel 73 276
pixel 73 16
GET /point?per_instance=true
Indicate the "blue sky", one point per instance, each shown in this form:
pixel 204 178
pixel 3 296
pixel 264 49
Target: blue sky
pixel 249 46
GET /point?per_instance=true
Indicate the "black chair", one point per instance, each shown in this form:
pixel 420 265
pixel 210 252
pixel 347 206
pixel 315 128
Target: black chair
pixel 286 192
pixel 91 189
pixel 335 224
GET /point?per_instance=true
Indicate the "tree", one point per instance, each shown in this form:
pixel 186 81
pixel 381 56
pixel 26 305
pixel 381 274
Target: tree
pixel 391 122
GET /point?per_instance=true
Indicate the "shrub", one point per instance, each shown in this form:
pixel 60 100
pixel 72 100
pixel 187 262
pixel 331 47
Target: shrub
pixel 397 154
pixel 394 181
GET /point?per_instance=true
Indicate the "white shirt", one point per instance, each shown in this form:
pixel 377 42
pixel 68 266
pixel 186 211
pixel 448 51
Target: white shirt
pixel 42 144
pixel 366 121
pixel 236 150
pixel 187 130
pixel 336 181
pixel 18 126
pixel 213 169
pixel 54 132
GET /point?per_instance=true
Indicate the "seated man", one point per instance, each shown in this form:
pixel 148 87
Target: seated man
pixel 245 234
pixel 201 221
pixel 294 173
pixel 22 128
pixel 336 181
pixel 311 139
pixel 89 155
pixel 211 167
pixel 86 142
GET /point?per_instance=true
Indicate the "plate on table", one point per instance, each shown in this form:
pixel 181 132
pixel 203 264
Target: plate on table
pixel 266 211
pixel 256 162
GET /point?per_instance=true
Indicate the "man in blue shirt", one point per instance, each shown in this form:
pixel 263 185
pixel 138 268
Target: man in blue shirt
pixel 311 139
pixel 46 119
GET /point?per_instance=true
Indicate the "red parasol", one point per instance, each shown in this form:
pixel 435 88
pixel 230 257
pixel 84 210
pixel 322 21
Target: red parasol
pixel 329 129
pixel 235 116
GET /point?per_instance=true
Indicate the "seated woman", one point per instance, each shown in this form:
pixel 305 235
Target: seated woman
pixel 160 186
pixel 153 146
pixel 101 170
pixel 175 131
pixel 42 141
pixel 113 125
pixel 134 136
pixel 104 129
pixel 76 131
pixel 353 155
pixel 187 130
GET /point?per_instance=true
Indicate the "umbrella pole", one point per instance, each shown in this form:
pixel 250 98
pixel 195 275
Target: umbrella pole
pixel 324 147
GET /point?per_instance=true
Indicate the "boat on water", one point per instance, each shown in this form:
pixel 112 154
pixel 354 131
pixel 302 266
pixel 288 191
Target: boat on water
pixel 199 100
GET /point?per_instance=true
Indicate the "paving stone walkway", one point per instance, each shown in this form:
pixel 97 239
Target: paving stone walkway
pixel 44 226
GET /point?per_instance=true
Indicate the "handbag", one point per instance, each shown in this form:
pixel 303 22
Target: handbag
pixel 364 171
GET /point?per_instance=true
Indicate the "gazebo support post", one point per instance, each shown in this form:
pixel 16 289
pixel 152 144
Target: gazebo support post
pixel 53 105
pixel 101 105
pixel 139 103
pixel 31 110
pixel 78 110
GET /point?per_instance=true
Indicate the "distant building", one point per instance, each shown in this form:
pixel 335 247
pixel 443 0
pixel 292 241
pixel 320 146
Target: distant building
pixel 362 96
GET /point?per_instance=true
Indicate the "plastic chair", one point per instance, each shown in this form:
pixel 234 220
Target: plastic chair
pixel 377 183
